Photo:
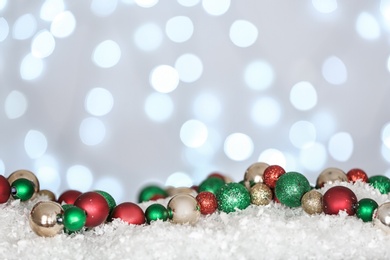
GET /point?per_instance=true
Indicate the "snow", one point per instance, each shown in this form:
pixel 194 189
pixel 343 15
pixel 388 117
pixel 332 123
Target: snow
pixel 258 232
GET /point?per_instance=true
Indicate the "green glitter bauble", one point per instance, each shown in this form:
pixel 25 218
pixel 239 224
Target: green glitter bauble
pixel 365 209
pixel 382 183
pixel 232 196
pixel 211 184
pixel 22 189
pixel 290 188
pixel 74 219
pixel 110 200
pixel 148 192
pixel 155 212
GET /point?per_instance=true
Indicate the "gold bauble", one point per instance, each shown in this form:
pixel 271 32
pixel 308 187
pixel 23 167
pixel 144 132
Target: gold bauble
pixel 254 173
pixel 330 175
pixel 184 209
pixel 24 174
pixel 382 217
pixel 49 194
pixel 312 202
pixel 261 194
pixel 43 218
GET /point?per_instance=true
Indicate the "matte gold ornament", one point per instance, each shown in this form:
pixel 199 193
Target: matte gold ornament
pixel 261 194
pixel 25 174
pixel 51 196
pixel 172 191
pixel 254 174
pixel 382 217
pixel 184 209
pixel 43 218
pixel 312 202
pixel 330 175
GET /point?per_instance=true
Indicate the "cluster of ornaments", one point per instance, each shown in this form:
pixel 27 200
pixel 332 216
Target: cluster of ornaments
pixel 75 211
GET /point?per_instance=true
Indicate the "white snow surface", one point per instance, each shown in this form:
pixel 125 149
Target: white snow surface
pixel 258 232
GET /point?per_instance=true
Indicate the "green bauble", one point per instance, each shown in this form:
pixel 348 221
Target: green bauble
pixel 22 189
pixel 290 188
pixel 211 184
pixel 155 212
pixel 110 200
pixel 147 193
pixel 74 218
pixel 382 183
pixel 232 196
pixel 365 209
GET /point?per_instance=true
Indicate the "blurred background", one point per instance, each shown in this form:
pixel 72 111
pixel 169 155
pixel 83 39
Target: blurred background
pixel 116 94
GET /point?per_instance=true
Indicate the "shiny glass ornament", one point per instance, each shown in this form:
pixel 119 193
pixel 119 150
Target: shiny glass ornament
pixel 24 174
pixel 69 196
pixel 254 173
pixel 330 175
pixel 130 213
pixel 272 174
pixel 339 198
pixel 290 188
pixel 184 209
pixel 43 218
pixel 381 183
pixel 148 192
pixel 156 212
pixel 312 202
pixel 5 189
pixel 74 218
pixel 356 174
pixel 207 202
pixel 211 184
pixel 366 208
pixel 233 196
pixel 22 189
pixel 172 191
pixel 382 217
pixel 110 200
pixel 261 194
pixel 96 207
pixel 49 194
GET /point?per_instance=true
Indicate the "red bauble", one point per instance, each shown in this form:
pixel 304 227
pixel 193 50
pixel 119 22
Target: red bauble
pixel 339 198
pixel 157 197
pixel 357 174
pixel 5 189
pixel 217 174
pixel 69 196
pixel 129 212
pixel 96 207
pixel 271 175
pixel 207 202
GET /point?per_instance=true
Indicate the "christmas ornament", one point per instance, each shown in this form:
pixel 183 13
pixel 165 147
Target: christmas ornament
pixel 232 196
pixel 356 174
pixel 290 188
pixel 330 175
pixel 110 200
pixel 22 189
pixel 96 207
pixel 151 191
pixel 69 196
pixel 272 174
pixel 5 189
pixel 382 217
pixel 382 183
pixel 74 218
pixel 254 173
pixel 172 191
pixel 211 184
pixel 129 212
pixel 24 174
pixel 156 212
pixel 366 208
pixel 49 194
pixel 43 218
pixel 184 209
pixel 312 202
pixel 207 202
pixel 217 175
pixel 339 198
pixel 261 194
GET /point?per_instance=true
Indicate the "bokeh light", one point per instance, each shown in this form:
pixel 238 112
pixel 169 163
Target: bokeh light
pixel 31 67
pixel 146 3
pixel 179 179
pixel 107 54
pixel 243 33
pixel 179 29
pixel 92 131
pixel 238 147
pixel 367 26
pixel 99 102
pixel 15 104
pixel 24 27
pixel 103 8
pixel 266 111
pixel 216 7
pixel 259 75
pixel 4 29
pixel 334 71
pixel 303 96
pixel 302 134
pixel 385 134
pixel 325 7
pixel 79 177
pixel 193 133
pixel 148 37
pixel 159 107
pixel 35 144
pixel 314 157
pixel 188 3
pixel 341 146
pixel 273 156
pixel 164 78
pixel 43 44
pixel 63 24
pixel 50 9
pixel 112 186
pixel 207 107
pixel 189 67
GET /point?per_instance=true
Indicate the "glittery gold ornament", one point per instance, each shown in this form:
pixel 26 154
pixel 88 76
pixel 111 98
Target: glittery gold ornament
pixel 312 202
pixel 43 218
pixel 184 209
pixel 261 194
pixel 25 174
pixel 49 194
pixel 330 175
pixel 254 173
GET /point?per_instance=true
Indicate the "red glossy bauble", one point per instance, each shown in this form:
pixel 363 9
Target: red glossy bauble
pixel 357 174
pixel 69 196
pixel 129 212
pixel 339 198
pixel 271 175
pixel 96 207
pixel 207 202
pixel 5 189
